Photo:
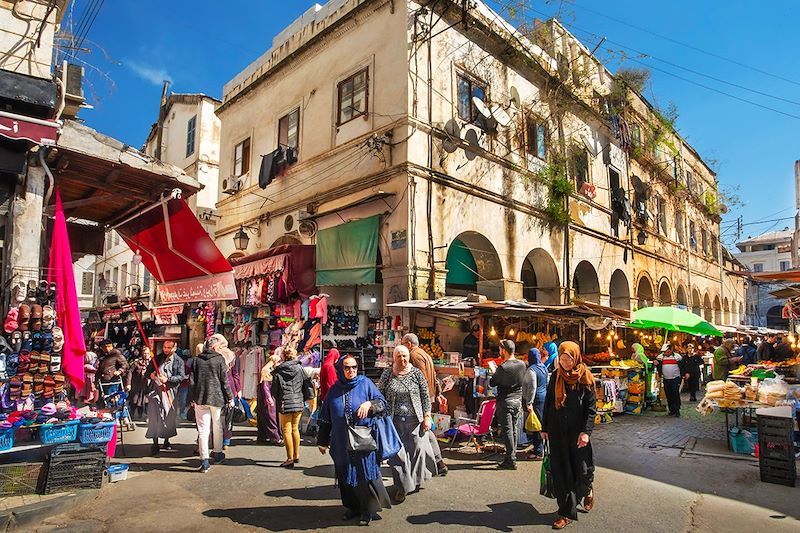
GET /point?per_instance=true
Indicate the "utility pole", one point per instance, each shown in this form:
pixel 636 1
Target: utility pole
pixel 796 236
pixel 162 115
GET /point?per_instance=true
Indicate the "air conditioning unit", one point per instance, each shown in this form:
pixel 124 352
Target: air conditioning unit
pixel 133 291
pixel 291 222
pixel 231 185
pixel 307 228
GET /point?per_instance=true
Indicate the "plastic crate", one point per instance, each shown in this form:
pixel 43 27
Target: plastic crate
pixel 117 473
pixel 6 439
pixel 19 479
pixel 774 449
pixel 58 433
pixel 75 469
pixel 775 425
pixel 99 433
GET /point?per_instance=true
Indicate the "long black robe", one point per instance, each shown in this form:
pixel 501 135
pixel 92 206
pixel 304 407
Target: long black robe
pixel 572 467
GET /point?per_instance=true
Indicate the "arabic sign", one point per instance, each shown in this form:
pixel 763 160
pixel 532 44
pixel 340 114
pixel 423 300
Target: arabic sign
pixel 111 314
pixel 19 127
pixel 206 289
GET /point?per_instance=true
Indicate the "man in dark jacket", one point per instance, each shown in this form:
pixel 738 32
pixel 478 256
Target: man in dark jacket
pixel 508 379
pixel 766 350
pixel 165 372
pixel 112 365
pixel 210 393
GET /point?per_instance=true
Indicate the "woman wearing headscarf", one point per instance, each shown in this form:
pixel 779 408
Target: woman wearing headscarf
pixel 638 353
pixel 137 397
pixel 235 383
pixel 569 412
pixel 266 412
pixel 533 395
pixel 327 374
pixel 552 353
pixel 409 403
pixel 353 400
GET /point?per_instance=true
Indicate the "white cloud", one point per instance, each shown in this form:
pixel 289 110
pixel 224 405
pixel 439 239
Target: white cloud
pixel 154 75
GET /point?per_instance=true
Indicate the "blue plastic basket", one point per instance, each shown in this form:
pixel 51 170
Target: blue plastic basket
pixel 58 433
pixel 6 439
pixel 99 433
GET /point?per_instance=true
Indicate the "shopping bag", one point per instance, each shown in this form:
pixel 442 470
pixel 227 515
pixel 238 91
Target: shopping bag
pixel 532 423
pixel 386 436
pixel 546 482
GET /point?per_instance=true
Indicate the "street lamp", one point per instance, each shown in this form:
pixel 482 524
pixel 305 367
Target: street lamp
pixel 241 240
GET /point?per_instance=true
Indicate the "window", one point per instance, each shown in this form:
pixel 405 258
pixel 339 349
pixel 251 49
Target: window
pixel 190 128
pixel 692 236
pixel 661 210
pixel 109 280
pixel 704 240
pixel 87 283
pixel 108 241
pixel 679 227
pixel 689 181
pixel 536 137
pixel 241 158
pixel 466 89
pixel 786 265
pixel 714 246
pixel 758 267
pixel 116 239
pixel 146 282
pixel 289 129
pixel 580 168
pixel 353 97
pixel 115 277
pixel 636 135
pixel 123 280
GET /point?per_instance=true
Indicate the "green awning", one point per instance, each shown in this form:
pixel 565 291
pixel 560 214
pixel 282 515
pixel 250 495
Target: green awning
pixel 346 254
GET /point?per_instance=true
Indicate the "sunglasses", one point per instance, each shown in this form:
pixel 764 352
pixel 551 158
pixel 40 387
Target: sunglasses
pixel 349 367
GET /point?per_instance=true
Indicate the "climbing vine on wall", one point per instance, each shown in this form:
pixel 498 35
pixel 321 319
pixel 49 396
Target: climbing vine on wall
pixel 559 187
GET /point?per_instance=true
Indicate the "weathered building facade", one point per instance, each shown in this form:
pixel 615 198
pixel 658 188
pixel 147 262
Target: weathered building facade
pixel 768 252
pixel 512 166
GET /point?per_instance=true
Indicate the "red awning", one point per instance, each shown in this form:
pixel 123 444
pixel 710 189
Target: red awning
pixel 175 248
pixel 786 275
pixel 35 130
pixel 297 262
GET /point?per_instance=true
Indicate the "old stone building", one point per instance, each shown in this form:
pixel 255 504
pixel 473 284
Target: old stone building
pixel 510 165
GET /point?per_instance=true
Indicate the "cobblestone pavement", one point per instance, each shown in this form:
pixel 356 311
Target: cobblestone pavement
pixel 659 429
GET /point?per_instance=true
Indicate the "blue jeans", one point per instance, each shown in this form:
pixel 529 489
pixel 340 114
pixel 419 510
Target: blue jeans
pixel 183 401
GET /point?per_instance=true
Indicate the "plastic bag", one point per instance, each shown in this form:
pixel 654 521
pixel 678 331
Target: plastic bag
pixel 532 423
pixel 770 391
pixel 546 487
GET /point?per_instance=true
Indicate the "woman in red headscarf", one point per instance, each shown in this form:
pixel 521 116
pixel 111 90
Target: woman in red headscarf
pixel 327 374
pixel 569 411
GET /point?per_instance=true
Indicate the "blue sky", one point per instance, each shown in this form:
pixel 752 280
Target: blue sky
pixel 200 45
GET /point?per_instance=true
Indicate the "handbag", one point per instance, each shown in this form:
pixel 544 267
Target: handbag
pixel 546 481
pixel 308 390
pixel 190 415
pixel 227 414
pixel 532 423
pixel 359 438
pixel 239 415
pixel 386 435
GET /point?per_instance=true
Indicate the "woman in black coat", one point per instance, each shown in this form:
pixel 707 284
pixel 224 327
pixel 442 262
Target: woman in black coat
pixel 691 367
pixel 569 411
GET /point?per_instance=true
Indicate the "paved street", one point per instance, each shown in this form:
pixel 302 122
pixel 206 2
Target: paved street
pixel 637 487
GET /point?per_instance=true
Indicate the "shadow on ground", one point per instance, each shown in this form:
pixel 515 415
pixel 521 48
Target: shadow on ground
pixel 499 517
pixel 283 518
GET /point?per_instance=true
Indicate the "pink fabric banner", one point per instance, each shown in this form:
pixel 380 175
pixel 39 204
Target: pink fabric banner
pixel 68 313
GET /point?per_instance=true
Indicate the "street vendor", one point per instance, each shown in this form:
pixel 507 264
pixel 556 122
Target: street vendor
pixel 472 343
pixel 638 351
pixel 112 364
pixel 671 372
pixel 724 360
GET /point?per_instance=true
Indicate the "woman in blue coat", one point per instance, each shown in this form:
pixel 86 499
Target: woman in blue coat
pixel 353 400
pixel 534 394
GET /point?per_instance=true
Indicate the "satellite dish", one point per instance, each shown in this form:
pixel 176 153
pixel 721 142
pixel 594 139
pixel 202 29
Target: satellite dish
pixel 500 115
pixel 515 100
pixel 472 140
pixel 481 107
pixel 449 146
pixel 589 145
pixel 453 132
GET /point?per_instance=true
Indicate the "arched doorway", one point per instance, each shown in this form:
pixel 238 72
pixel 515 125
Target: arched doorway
pixel 644 292
pixel 697 303
pixel 286 239
pixel 726 312
pixel 680 297
pixel 585 283
pixel 665 294
pixel 707 313
pixel 740 317
pixel 774 319
pixel 717 310
pixel 539 277
pixel 620 291
pixel 470 258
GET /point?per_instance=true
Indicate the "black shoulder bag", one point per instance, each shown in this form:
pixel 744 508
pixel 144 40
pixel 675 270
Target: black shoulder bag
pixel 359 438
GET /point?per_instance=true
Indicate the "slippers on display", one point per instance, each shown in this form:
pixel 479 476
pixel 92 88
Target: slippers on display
pixel 49 387
pixel 38 385
pixel 59 383
pixel 44 362
pixel 55 363
pixel 27 385
pixel 11 324
pixel 14 388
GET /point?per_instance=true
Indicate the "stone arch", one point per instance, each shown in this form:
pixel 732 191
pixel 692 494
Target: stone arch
pixel 665 293
pixel 741 317
pixel 644 291
pixel 619 290
pixel 717 310
pixel 774 318
pixel 539 277
pixel 586 285
pixel 707 312
pixel 697 303
pixel 286 239
pixel 680 296
pixel 235 255
pixel 726 312
pixel 471 258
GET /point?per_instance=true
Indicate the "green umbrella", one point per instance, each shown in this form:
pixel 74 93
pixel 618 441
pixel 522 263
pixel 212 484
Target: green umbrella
pixel 672 319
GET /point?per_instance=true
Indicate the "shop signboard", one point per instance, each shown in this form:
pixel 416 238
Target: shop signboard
pixel 167 314
pixel 216 287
